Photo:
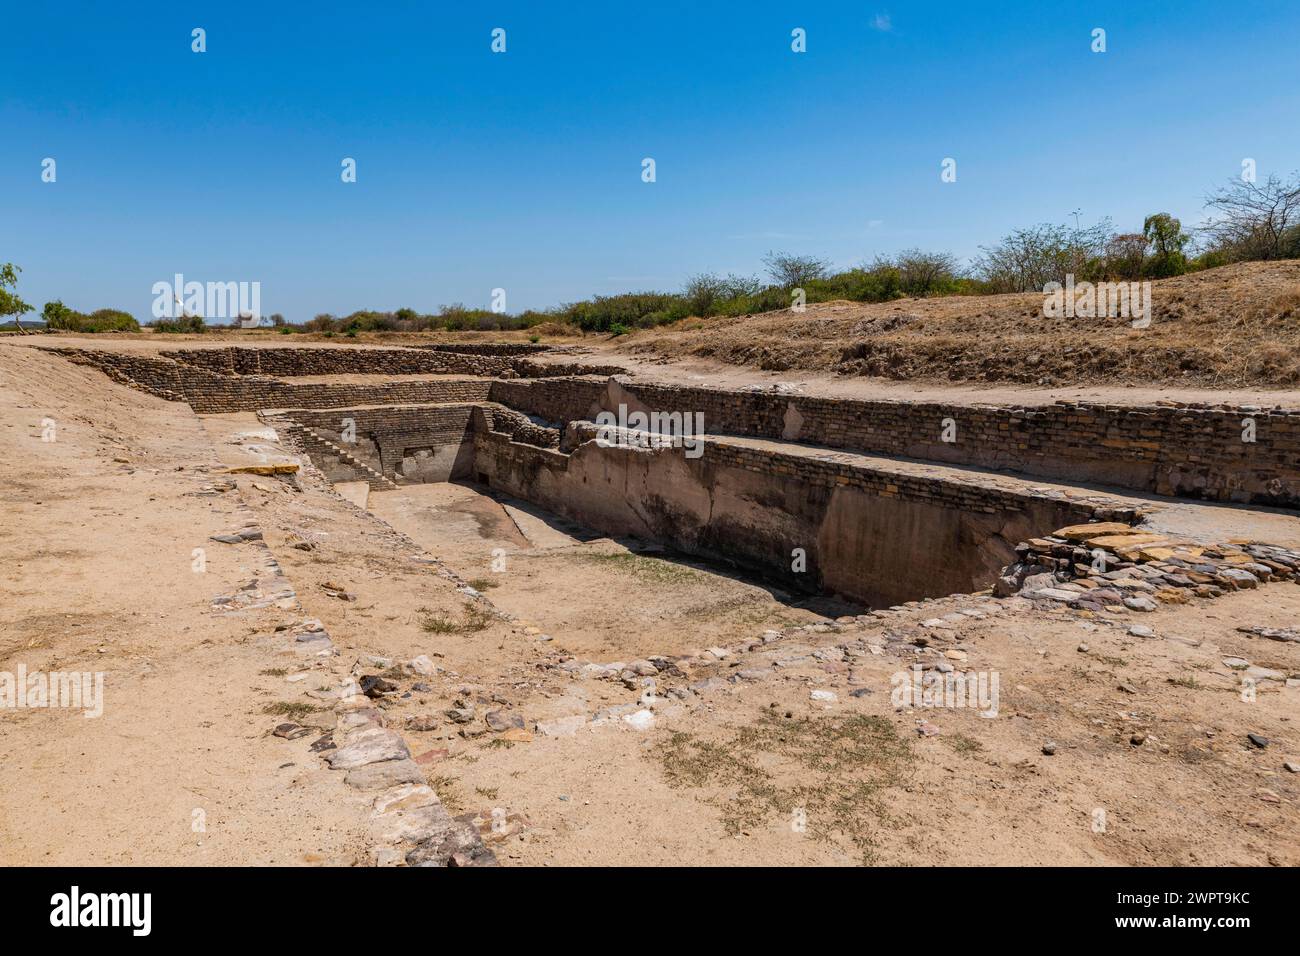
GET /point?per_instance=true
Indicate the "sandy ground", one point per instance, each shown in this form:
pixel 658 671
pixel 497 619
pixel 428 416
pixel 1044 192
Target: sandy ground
pixel 743 769
pixel 96 551
pixel 549 571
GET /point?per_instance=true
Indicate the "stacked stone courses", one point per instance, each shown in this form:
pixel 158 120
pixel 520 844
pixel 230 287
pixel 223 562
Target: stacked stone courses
pixel 1170 449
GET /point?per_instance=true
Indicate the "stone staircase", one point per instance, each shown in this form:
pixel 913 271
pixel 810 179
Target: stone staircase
pixel 332 459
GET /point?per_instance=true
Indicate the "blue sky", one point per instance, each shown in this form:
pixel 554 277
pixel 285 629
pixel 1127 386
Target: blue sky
pixel 522 170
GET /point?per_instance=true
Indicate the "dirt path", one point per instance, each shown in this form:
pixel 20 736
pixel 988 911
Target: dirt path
pixel 96 559
pixel 701 372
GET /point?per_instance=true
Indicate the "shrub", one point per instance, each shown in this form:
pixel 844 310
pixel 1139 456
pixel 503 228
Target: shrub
pixel 111 320
pixel 184 324
pixel 59 316
pixel 789 271
pixel 1028 259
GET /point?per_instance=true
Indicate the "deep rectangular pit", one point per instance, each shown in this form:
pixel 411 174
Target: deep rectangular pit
pixel 820 521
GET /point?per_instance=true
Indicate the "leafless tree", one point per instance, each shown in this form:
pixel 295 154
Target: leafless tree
pixel 1256 220
pixel 789 271
pixel 923 273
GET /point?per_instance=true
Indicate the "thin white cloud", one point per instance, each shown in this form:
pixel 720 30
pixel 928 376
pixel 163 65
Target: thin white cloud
pixel 882 23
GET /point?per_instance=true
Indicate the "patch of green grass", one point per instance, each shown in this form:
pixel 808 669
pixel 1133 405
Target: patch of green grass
pixel 655 570
pixel 833 770
pixel 963 743
pixel 448 792
pixel 290 708
pixel 474 617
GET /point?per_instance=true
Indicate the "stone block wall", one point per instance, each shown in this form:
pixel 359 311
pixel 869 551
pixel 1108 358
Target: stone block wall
pixel 871 534
pixel 290 362
pixel 210 392
pixel 411 442
pixel 1169 450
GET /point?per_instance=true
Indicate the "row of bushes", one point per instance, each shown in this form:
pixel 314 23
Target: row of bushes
pixel 59 316
pixel 1251 221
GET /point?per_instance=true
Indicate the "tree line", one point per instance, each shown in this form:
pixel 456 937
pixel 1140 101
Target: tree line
pixel 1249 221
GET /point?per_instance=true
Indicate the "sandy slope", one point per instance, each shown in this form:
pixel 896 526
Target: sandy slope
pixel 95 559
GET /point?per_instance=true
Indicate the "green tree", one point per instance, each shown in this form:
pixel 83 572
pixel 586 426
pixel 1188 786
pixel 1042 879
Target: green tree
pixel 58 316
pixel 10 304
pixel 1167 239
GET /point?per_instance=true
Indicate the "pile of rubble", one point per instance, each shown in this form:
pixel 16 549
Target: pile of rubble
pixel 1111 566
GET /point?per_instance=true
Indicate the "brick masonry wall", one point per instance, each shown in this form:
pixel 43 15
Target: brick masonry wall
pixel 1187 450
pixel 393 431
pixel 289 362
pixel 488 348
pixel 1193 451
pixel 873 533
pixel 210 392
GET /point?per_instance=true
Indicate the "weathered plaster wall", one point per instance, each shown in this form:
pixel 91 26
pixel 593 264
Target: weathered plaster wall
pixel 876 536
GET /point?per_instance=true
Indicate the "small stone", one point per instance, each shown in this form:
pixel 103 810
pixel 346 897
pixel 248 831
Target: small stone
pixel 561 726
pixel 1141 630
pixel 822 695
pixel 1049 748
pixel 1291 766
pixel 372 685
pixel 407 796
pixel 927 729
pixel 1139 603
pixel 498 720
pixel 640 720
pixel 390 773
pixel 422 722
pixel 460 715
pixel 421 666
pixel 1258 740
pixel 291 731
pixel 1138 739
pixel 366 747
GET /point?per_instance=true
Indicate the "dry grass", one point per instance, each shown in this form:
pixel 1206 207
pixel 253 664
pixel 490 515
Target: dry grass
pixel 1235 326
pixel 826 773
pixel 474 617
